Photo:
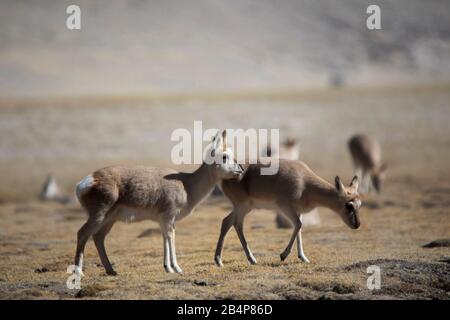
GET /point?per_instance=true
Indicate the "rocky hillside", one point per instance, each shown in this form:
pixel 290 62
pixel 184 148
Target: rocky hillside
pixel 171 46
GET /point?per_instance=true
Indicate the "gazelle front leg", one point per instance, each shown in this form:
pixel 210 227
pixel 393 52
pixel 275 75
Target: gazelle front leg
pixel 167 246
pixel 167 265
pixel 301 254
pixel 172 251
pixel 170 258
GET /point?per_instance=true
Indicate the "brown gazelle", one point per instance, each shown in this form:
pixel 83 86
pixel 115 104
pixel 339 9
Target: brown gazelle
pixel 295 189
pixel 290 150
pixel 140 193
pixel 366 155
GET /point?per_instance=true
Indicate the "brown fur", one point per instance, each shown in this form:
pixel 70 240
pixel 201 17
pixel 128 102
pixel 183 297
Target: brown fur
pixel 366 155
pixel 294 190
pixel 140 193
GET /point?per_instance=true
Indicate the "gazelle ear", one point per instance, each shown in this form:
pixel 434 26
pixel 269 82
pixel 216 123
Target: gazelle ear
pixel 339 185
pixel 218 141
pixel 354 183
pixel 224 140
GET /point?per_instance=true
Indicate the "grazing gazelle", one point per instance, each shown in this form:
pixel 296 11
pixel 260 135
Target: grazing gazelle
pixel 140 193
pixel 293 190
pixel 366 155
pixel 51 192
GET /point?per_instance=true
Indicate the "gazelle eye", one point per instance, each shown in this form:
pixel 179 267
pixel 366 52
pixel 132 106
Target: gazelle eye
pixel 350 207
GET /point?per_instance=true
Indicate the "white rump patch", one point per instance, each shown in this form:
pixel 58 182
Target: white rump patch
pixel 85 185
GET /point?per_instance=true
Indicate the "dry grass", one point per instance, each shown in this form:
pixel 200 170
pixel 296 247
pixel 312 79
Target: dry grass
pixel 37 240
pixel 41 237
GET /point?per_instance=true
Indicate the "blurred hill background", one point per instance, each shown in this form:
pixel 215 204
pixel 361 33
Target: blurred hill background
pixel 160 46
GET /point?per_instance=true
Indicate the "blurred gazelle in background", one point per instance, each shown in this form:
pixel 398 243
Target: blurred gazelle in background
pixel 366 154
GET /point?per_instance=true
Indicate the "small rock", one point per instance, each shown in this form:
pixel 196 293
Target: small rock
pixel 438 243
pixel 201 283
pixel 41 270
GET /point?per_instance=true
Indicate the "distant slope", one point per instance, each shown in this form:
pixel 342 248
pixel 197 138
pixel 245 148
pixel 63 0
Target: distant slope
pixel 211 45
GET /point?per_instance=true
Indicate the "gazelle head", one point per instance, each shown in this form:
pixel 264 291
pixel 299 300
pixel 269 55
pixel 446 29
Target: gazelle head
pixel 349 202
pixel 378 175
pixel 290 142
pixel 224 166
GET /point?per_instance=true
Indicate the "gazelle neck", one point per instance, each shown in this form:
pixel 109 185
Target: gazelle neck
pixel 199 184
pixel 324 194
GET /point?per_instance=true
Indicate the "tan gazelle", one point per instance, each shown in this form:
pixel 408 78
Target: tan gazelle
pixel 366 155
pixel 295 189
pixel 290 150
pixel 140 193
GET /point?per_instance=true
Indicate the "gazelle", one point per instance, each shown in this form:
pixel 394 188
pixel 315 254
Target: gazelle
pixel 290 150
pixel 141 193
pixel 366 155
pixel 51 192
pixel 295 189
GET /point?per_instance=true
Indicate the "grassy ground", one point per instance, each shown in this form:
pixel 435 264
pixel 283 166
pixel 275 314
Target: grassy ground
pixel 37 239
pixel 42 242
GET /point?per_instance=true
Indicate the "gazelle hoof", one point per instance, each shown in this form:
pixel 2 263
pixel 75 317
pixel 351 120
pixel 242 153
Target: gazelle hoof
pixel 218 262
pixel 78 271
pixel 168 269
pixel 177 269
pixel 111 273
pixel 303 259
pixel 283 256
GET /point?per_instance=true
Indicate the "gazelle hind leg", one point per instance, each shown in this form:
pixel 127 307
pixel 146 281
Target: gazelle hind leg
pixel 100 213
pixel 291 213
pixel 86 231
pixel 99 240
pixel 239 226
pixel 301 254
pixel 227 223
